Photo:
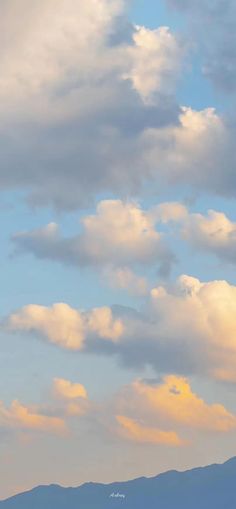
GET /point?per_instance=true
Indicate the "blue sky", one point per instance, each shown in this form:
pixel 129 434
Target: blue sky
pixel 119 286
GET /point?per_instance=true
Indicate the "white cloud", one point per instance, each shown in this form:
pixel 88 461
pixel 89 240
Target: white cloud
pixel 187 328
pixel 65 326
pixel 66 104
pixel 88 107
pixel 194 152
pixel 155 62
pixel 56 43
pixel 119 235
pixel 202 325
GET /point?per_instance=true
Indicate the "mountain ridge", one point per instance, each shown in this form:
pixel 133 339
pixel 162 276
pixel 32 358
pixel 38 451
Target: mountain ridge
pixel 212 486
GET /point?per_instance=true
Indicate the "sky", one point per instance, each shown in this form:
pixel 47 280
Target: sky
pixel 118 239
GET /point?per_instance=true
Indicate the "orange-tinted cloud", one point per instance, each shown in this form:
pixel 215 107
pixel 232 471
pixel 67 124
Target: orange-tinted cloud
pixel 21 417
pixel 73 395
pixel 132 430
pixel 174 401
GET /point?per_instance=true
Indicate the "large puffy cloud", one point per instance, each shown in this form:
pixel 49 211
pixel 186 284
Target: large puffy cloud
pixel 119 235
pixel 168 413
pixel 172 401
pixel 217 19
pixel 187 328
pixel 65 326
pixel 72 98
pixel 50 49
pixel 135 240
pixel 79 118
pixel 202 325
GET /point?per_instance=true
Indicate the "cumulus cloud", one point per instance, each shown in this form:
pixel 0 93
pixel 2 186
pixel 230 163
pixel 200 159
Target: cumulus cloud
pixel 202 324
pixel 172 401
pixel 65 326
pixel 21 418
pixel 118 235
pixel 168 413
pixel 197 152
pixel 132 430
pixel 80 119
pixel 156 58
pixel 72 93
pixel 186 328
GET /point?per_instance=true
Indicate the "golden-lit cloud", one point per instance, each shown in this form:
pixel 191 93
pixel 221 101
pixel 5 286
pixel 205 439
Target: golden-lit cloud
pixel 68 390
pixel 73 395
pixel 21 417
pixel 132 430
pixel 174 401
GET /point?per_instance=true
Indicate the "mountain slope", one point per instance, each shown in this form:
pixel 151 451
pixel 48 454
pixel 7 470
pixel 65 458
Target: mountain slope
pixel 212 487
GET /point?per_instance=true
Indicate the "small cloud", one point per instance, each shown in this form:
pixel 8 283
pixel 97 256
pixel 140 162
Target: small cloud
pixel 21 417
pixel 132 430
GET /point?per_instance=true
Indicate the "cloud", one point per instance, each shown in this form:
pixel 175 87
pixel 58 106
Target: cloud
pixel 134 431
pixel 213 233
pixel 73 395
pixel 118 235
pixel 65 326
pixel 170 211
pixel 67 390
pixel 185 328
pixel 72 96
pixel 59 35
pixel 126 279
pixel 168 413
pixel 193 153
pixel 156 62
pixel 173 402
pixel 217 19
pixel 135 240
pixel 202 325
pixel 90 108
pixel 21 418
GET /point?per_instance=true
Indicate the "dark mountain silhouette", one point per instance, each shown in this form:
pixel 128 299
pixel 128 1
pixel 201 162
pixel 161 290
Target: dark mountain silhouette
pixel 212 487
